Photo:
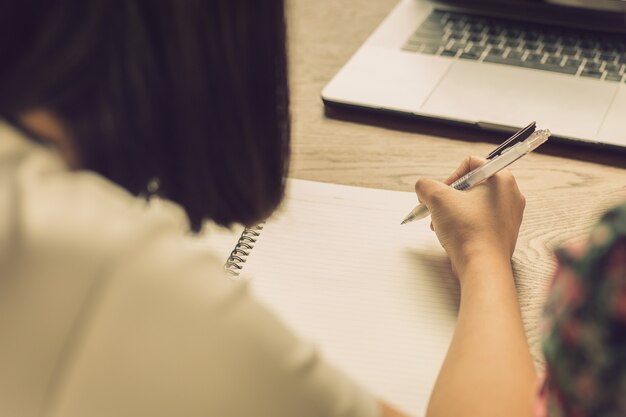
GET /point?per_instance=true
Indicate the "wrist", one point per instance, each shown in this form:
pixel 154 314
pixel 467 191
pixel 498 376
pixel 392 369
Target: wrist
pixel 483 265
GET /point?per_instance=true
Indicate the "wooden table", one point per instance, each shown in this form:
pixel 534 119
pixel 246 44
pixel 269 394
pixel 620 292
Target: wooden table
pixel 567 188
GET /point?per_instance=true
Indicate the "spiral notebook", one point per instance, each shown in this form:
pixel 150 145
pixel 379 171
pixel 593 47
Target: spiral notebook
pixel 379 299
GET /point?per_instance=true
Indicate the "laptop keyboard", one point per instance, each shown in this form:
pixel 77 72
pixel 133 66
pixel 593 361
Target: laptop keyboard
pixel 585 54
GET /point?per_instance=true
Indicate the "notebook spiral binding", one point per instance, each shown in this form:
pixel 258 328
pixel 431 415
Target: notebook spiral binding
pixel 242 249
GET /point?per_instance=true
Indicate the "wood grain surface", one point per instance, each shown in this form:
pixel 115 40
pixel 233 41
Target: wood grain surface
pixel 567 188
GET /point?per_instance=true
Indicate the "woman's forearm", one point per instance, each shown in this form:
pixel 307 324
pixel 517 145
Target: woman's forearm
pixel 488 370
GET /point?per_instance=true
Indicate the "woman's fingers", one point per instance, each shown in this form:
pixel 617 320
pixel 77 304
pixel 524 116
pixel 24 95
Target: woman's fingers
pixel 469 164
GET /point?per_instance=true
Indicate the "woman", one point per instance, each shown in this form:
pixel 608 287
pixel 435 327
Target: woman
pixel 105 308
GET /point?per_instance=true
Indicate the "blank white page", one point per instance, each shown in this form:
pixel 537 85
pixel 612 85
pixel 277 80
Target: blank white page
pixel 378 298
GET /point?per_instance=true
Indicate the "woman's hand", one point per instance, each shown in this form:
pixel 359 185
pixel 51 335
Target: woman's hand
pixel 480 223
pixel 489 352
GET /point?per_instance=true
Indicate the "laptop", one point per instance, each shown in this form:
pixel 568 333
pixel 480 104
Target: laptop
pixel 497 64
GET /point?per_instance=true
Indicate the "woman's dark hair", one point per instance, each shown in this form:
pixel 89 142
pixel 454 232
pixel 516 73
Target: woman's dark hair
pixel 192 92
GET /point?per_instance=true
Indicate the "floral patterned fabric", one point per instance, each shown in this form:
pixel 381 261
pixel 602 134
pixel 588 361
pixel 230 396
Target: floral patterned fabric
pixel 585 344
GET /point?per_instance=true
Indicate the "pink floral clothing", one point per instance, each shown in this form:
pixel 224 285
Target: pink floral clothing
pixel 585 344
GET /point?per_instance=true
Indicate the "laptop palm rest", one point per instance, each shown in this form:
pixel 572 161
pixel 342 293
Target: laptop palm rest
pixel 386 78
pixel 510 96
pixel 614 129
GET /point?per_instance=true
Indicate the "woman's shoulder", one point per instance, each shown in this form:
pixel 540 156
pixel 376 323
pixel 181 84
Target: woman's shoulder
pixel 77 227
pixel 52 208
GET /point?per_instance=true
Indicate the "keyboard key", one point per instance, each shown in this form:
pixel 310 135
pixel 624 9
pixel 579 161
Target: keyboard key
pixel 427 34
pixel 531 46
pixel 554 60
pixel 611 67
pixel 607 56
pixel 592 66
pixel 569 51
pixel 558 68
pixel 470 55
pixel 421 46
pixel 534 57
pixel 457 37
pixel 411 47
pixel 449 53
pixel 589 54
pixel 591 73
pixel 573 62
pixel 613 77
pixel 526 64
pixel 460 25
pixel 456 45
pixel 476 49
pixel 550 48
pixel 431 49
pixel 431 26
pixel 512 43
pixel 496 51
pixel 501 60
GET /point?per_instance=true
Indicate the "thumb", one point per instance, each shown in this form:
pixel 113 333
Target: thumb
pixel 429 191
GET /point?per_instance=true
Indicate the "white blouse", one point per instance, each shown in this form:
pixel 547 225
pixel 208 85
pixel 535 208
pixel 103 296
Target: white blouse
pixel 108 309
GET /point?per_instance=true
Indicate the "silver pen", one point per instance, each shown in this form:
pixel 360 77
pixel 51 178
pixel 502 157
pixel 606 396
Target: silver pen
pixel 492 167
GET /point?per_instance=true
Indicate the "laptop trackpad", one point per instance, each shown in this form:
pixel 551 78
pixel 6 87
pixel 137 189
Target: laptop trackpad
pixel 511 96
